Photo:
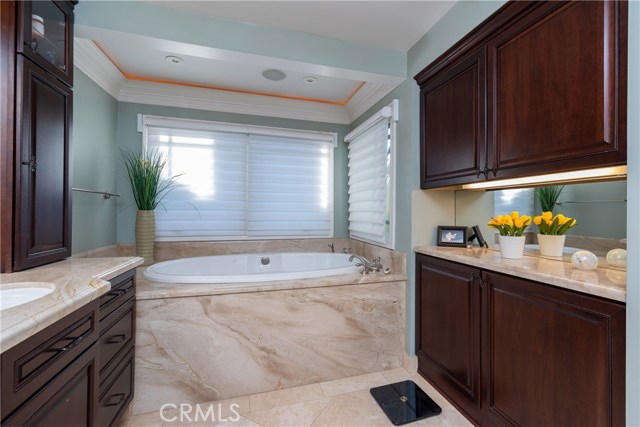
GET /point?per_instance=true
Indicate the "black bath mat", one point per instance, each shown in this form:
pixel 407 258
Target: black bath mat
pixel 405 402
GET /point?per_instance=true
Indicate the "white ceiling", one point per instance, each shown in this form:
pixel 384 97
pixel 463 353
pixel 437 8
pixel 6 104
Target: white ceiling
pixel 386 24
pixel 132 66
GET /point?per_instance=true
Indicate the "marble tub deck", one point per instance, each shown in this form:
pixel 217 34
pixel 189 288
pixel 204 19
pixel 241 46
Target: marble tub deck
pixel 344 402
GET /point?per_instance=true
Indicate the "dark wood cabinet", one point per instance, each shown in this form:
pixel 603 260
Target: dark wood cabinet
pixel 508 351
pixel 453 141
pixel 45 36
pixel 555 96
pixel 42 189
pixel 78 371
pixel 36 48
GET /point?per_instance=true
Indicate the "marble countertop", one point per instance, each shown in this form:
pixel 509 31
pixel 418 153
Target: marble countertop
pixel 602 282
pixel 75 282
pixel 146 289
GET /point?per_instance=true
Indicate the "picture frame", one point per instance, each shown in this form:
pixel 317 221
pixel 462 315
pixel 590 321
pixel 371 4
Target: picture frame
pixel 452 236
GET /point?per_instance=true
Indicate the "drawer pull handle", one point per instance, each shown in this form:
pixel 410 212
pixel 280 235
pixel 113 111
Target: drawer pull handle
pixel 34 44
pixel 118 397
pixel 74 342
pixel 117 339
pixel 116 293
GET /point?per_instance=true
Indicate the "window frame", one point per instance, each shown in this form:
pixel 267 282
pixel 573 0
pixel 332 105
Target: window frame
pixel 331 138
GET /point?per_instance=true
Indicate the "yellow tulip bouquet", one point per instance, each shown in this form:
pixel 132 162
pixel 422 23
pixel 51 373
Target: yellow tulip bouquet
pixel 553 225
pixel 510 225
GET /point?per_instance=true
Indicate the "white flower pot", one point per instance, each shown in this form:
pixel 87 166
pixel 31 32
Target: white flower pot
pixel 511 247
pixel 551 245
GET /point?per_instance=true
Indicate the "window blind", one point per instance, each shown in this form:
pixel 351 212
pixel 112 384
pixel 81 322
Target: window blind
pixel 236 185
pixel 368 175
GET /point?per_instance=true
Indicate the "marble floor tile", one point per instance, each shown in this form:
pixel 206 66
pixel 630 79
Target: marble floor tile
pixel 350 384
pixel 286 396
pixel 345 402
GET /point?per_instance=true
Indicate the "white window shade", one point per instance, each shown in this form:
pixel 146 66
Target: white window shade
pixel 236 184
pixel 371 179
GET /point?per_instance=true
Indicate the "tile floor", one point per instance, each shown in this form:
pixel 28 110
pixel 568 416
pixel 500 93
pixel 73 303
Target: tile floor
pixel 344 402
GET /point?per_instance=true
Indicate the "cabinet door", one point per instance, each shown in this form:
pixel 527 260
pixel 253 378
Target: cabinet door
pixel 46 36
pixel 448 327
pixel 552 357
pixel 557 89
pixel 69 400
pixel 42 192
pixel 452 124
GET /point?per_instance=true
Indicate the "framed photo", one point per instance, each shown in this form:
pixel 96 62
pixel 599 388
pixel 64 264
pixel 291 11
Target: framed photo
pixel 450 235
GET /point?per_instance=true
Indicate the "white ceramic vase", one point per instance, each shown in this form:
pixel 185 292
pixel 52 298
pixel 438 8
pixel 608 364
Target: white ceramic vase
pixel 551 245
pixel 511 247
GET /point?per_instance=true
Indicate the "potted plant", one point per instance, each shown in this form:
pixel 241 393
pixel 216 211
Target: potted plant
pixel 548 196
pixel 551 235
pixel 511 229
pixel 149 188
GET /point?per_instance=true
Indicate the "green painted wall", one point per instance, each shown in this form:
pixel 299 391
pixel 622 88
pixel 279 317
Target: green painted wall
pixel 128 136
pixel 95 115
pixel 461 19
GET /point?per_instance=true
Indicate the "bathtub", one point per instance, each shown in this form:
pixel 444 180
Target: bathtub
pixel 244 268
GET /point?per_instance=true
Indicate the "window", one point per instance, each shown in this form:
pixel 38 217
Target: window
pixel 372 178
pixel 242 182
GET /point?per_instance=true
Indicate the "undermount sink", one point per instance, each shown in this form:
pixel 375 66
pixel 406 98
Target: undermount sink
pixel 22 293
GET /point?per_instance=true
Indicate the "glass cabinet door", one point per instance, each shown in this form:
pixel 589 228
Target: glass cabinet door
pixel 47 36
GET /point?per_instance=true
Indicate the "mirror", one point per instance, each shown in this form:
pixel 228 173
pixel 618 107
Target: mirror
pixel 600 210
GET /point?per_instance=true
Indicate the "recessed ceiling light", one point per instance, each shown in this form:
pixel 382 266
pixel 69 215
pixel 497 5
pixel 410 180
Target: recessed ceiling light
pixel 274 75
pixel 310 79
pixel 176 60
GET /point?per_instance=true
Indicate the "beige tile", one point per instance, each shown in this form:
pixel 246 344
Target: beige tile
pixel 352 409
pixel 351 384
pixel 287 396
pixel 151 419
pixel 297 415
pixel 396 375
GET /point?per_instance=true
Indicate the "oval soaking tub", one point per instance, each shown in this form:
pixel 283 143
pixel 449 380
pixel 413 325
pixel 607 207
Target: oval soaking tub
pixel 244 268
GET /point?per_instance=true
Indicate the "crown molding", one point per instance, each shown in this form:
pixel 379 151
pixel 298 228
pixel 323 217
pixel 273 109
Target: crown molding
pixel 229 102
pixel 92 61
pixel 368 95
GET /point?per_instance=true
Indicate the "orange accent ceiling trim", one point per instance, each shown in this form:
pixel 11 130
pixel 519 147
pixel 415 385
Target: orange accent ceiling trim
pixel 136 77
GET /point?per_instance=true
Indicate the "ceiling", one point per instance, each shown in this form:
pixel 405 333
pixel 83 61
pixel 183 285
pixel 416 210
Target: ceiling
pixel 137 61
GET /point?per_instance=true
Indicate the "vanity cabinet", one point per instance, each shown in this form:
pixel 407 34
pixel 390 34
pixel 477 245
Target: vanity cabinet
pixel 78 371
pixel 508 351
pixel 37 65
pixel 555 95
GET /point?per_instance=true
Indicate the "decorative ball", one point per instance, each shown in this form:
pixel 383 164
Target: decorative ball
pixel 584 260
pixel 617 257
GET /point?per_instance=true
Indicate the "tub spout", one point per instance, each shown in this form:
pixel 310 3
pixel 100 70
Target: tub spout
pixel 367 267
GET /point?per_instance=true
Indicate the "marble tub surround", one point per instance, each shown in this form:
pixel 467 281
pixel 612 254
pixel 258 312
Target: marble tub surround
pixel 602 282
pixel 203 348
pixel 344 402
pixel 165 251
pixel 76 281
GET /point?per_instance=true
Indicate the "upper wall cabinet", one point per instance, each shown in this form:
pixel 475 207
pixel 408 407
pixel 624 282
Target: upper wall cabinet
pixel 45 36
pixel 555 95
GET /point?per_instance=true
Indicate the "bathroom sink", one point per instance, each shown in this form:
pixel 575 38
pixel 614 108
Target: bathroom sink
pixel 22 293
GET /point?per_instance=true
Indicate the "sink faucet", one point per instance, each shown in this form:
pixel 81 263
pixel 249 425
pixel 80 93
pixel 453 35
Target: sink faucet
pixel 367 266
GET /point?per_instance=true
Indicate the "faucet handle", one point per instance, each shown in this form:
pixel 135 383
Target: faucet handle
pixel 346 250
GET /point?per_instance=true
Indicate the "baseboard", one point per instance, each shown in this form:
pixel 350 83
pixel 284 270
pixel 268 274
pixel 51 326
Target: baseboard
pixel 410 362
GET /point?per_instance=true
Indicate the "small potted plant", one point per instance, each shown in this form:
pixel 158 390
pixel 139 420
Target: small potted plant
pixel 551 235
pixel 511 229
pixel 149 188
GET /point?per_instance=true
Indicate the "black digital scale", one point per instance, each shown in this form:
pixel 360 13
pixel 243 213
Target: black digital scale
pixel 405 402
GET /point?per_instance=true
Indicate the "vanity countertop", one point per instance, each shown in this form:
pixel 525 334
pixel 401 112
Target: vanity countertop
pixel 75 282
pixel 602 282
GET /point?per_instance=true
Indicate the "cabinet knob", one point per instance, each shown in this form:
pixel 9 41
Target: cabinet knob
pixel 31 163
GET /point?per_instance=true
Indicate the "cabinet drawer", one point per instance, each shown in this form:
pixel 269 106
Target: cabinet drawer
pixel 117 332
pixel 119 392
pixel 122 288
pixel 31 364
